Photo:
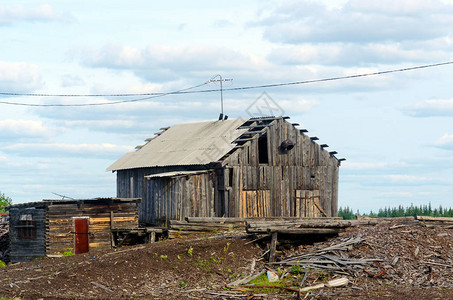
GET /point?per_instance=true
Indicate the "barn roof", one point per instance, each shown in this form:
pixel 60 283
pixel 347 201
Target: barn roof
pixel 48 202
pixel 184 144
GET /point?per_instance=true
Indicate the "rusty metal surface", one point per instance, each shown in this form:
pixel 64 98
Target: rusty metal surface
pixel 184 144
pixel 177 173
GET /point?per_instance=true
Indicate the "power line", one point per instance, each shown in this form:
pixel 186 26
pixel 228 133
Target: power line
pixel 154 95
pixel 187 90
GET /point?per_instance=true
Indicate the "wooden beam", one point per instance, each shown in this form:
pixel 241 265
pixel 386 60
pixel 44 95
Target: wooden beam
pixel 273 247
pixel 320 209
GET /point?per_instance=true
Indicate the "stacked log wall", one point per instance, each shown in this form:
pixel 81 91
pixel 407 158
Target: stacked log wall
pixel 59 223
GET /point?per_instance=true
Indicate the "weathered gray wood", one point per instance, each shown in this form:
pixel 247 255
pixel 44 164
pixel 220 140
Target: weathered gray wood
pixel 306 167
pixel 273 247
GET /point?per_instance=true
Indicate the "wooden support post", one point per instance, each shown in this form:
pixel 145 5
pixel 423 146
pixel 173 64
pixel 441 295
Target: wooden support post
pixel 273 247
pixel 112 220
pixel 152 237
pixel 112 225
pixel 112 239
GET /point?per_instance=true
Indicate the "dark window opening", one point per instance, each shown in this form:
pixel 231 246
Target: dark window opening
pixel 26 228
pixel 262 150
pixel 230 177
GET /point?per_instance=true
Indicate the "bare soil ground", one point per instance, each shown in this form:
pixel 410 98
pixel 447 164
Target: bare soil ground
pixel 201 266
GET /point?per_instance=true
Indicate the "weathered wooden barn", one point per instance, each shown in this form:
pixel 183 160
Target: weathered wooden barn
pixel 256 167
pixel 52 227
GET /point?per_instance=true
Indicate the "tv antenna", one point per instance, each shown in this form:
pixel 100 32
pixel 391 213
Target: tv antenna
pixel 221 80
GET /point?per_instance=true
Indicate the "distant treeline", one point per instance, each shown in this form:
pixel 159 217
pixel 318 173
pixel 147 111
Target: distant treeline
pixel 393 212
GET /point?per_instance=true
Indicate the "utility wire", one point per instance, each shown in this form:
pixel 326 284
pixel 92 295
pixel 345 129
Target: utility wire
pixel 187 90
pixel 153 95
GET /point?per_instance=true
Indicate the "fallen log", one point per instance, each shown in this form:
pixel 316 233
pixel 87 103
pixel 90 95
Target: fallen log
pixel 442 219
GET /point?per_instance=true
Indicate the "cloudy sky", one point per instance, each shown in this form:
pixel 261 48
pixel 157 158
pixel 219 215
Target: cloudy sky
pixel 395 130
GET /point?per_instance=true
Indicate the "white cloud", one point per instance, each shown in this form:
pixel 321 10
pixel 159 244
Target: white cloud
pixel 297 106
pixel 407 179
pixel 67 150
pixel 364 165
pixel 350 54
pixel 397 194
pixel 69 80
pixel 164 62
pixel 431 108
pixel 43 13
pixel 25 129
pixel 19 76
pixel 358 21
pixel 445 142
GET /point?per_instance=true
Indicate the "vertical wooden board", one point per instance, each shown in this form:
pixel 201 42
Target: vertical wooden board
pixel 321 181
pixel 328 191
pixel 256 202
pixel 243 208
pixel 260 203
pixel 335 191
pixel 277 188
pixel 253 195
pixel 316 194
pixel 293 137
pixel 254 158
pixel 297 200
pixel 265 203
pixel 239 199
pixel 305 150
pixel 269 204
pixel 209 195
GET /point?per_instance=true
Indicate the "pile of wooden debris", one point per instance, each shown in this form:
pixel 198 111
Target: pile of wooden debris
pixel 398 252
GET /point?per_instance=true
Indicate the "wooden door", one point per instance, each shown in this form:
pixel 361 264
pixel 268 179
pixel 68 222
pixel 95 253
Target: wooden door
pixel 307 204
pixel 81 234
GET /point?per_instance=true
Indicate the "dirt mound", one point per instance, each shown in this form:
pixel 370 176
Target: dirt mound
pixel 414 261
pixel 158 270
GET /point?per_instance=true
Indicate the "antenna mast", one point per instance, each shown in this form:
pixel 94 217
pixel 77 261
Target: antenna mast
pixel 221 80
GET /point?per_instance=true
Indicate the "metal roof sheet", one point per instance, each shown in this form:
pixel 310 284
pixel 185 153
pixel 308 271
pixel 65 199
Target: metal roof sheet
pixel 185 144
pixel 47 202
pixel 177 173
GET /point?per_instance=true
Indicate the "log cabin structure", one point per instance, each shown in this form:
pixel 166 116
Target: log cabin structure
pixel 52 227
pixel 255 167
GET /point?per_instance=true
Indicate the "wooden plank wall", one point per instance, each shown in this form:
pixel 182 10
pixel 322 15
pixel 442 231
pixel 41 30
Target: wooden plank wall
pixel 306 167
pixel 175 198
pixel 27 249
pixel 59 222
pixel 141 188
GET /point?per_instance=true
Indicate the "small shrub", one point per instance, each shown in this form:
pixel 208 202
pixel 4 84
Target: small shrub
pixel 296 269
pixel 68 253
pixel 225 248
pixel 2 264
